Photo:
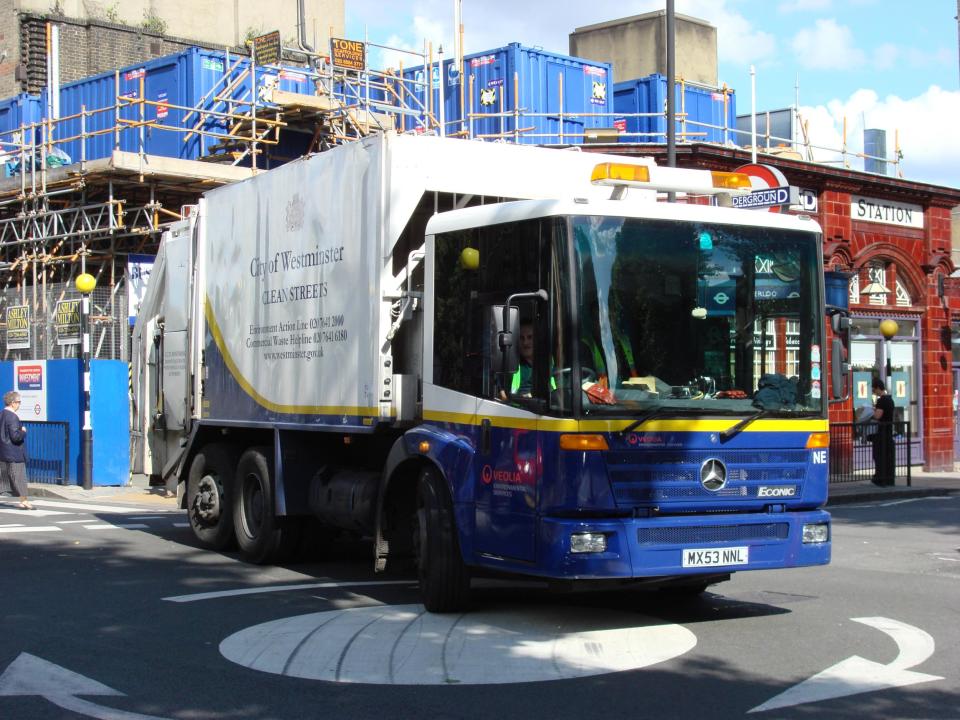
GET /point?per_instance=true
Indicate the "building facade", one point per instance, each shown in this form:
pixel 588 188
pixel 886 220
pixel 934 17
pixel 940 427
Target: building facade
pixel 99 36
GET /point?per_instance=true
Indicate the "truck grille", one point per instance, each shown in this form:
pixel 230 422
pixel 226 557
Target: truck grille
pixel 641 477
pixel 712 534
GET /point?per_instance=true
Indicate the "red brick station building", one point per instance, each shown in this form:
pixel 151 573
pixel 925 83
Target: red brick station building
pixel 897 233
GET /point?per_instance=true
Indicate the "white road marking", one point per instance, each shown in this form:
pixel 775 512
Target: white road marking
pixel 280 588
pixel 147 517
pixel 29 529
pixel 72 522
pixel 30 675
pixel 118 526
pixel 405 645
pixel 33 513
pixel 186 524
pixel 860 506
pixel 87 507
pixel 12 525
pixel 856 675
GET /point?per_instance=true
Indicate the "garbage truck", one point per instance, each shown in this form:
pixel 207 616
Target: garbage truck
pixel 492 360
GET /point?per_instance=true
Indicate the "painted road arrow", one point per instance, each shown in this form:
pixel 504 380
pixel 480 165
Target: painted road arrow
pixel 856 675
pixel 30 675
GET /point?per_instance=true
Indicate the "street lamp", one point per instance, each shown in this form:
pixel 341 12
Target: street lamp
pixel 85 284
pixel 888 328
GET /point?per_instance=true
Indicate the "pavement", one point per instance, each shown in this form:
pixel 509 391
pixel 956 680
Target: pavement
pixel 139 492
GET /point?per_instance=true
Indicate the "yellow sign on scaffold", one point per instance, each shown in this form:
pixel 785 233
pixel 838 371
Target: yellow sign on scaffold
pixel 348 54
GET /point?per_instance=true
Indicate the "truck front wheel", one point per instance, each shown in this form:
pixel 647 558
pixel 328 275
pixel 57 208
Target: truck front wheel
pixel 444 578
pixel 208 495
pixel 261 535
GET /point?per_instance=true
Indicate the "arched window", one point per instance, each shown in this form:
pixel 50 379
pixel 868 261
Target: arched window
pixel 877 273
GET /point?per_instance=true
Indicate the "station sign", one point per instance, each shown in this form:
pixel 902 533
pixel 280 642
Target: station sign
pixel 775 197
pixel 770 192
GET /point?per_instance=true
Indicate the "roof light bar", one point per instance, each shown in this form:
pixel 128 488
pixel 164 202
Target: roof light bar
pixel 620 174
pixel 684 180
pixel 730 180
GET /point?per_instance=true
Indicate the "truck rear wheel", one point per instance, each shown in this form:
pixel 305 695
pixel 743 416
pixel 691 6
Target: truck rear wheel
pixel 444 578
pixel 261 536
pixel 208 495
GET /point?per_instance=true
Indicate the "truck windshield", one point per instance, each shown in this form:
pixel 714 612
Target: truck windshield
pixel 695 318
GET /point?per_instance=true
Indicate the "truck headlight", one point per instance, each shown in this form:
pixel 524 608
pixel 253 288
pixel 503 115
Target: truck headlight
pixel 588 543
pixel 819 533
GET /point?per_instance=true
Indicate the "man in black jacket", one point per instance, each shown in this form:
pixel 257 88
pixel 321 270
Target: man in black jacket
pixel 884 460
pixel 13 453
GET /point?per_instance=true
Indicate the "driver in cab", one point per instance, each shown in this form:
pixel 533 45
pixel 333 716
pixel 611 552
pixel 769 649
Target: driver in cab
pixel 521 382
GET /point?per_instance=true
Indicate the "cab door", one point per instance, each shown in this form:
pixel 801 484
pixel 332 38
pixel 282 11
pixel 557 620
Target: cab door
pixel 507 467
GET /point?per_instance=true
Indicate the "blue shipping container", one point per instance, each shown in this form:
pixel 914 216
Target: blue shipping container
pixel 15 111
pixel 184 79
pixel 548 87
pixel 707 114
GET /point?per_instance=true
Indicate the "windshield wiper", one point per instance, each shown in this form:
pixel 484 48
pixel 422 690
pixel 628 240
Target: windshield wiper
pixel 649 415
pixel 735 429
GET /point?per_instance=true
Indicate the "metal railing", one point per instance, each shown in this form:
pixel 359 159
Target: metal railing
pixel 48 452
pixel 855 447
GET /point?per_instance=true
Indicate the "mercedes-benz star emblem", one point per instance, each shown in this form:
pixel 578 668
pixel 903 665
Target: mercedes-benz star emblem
pixel 713 474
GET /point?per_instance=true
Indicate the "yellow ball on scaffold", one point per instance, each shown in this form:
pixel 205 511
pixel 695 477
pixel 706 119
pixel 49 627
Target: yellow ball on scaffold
pixel 85 283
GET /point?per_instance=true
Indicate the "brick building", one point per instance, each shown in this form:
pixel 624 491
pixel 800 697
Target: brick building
pixel 897 233
pixel 100 36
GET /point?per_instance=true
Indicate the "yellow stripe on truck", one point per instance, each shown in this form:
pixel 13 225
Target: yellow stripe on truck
pixel 662 425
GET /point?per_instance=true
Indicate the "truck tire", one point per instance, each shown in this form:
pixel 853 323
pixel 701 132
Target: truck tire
pixel 261 536
pixel 209 481
pixel 444 578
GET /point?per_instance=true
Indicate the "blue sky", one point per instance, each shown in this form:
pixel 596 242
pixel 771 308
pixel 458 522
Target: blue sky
pixel 889 64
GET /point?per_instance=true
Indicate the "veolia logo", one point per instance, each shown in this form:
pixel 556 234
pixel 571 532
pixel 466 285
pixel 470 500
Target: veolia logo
pixel 486 474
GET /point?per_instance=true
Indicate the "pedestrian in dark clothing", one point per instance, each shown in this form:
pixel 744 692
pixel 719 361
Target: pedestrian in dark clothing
pixel 13 453
pixel 883 448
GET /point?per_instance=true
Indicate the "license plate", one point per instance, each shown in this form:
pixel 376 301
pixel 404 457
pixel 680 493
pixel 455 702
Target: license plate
pixel 715 557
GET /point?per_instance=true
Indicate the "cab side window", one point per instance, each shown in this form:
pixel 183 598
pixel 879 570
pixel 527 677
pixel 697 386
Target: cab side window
pixel 476 270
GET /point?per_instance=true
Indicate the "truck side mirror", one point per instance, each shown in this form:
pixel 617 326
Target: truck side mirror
pixel 505 327
pixel 839 365
pixel 839 372
pixel 840 322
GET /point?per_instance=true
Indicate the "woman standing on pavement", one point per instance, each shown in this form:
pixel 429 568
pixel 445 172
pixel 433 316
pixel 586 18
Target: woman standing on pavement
pixel 13 453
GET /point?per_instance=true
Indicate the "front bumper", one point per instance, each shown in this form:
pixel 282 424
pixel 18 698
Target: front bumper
pixel 651 547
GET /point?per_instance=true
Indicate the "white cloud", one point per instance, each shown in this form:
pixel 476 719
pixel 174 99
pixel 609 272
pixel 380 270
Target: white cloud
pixel 827 46
pixel 922 125
pixel 739 43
